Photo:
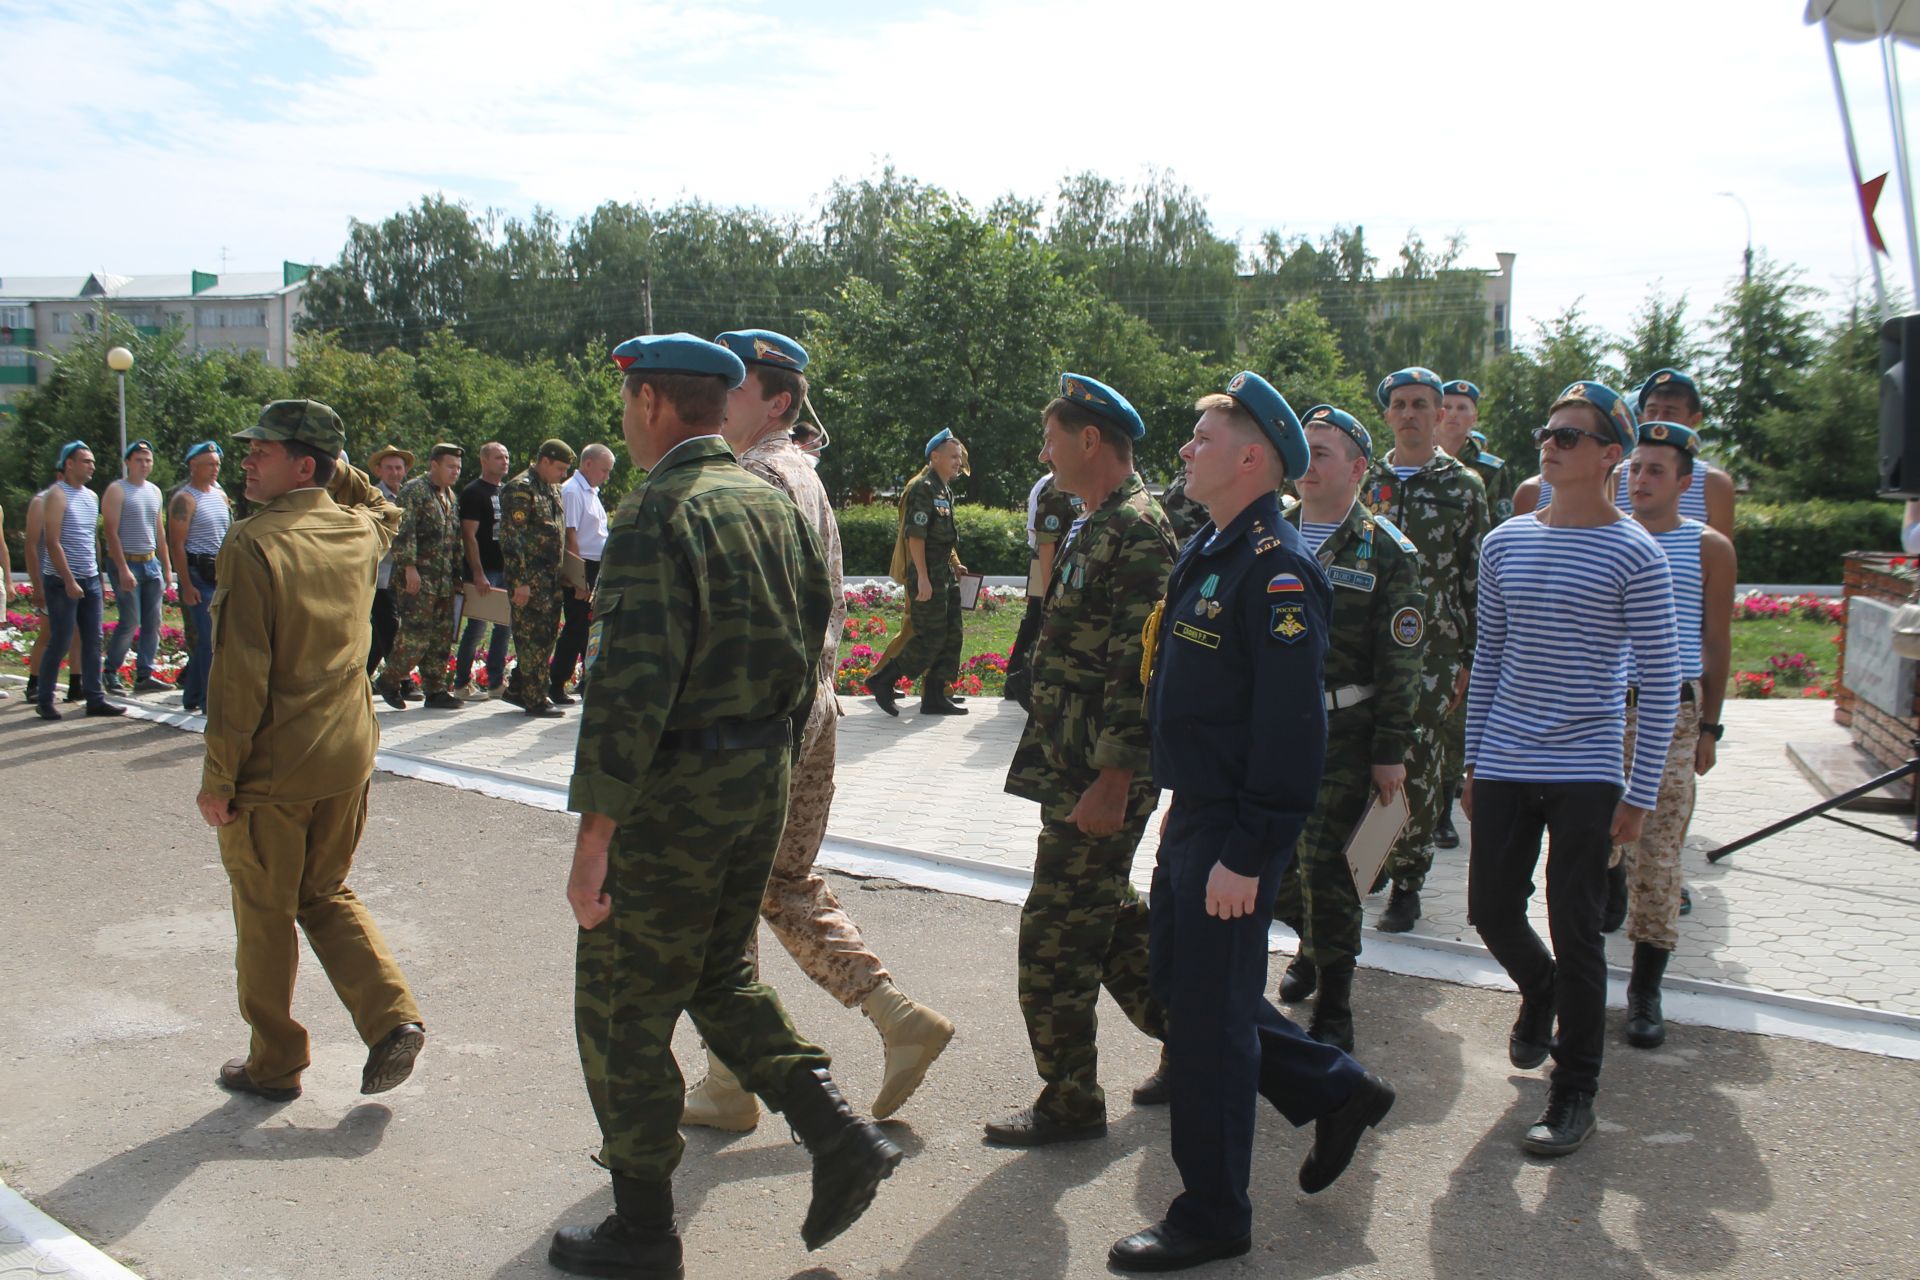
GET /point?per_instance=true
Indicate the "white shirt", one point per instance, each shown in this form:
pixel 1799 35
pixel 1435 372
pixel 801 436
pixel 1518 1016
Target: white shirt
pixel 581 508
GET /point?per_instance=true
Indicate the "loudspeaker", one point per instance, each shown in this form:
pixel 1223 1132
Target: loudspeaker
pixel 1900 407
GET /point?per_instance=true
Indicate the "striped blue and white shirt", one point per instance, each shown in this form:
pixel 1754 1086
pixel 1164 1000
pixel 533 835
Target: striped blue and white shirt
pixel 1316 535
pixel 1682 547
pixel 78 530
pixel 1558 610
pixel 211 519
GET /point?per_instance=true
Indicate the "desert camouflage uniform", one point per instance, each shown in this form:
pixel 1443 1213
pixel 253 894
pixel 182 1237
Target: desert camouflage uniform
pixel 1376 636
pixel 1442 508
pixel 533 539
pixel 429 542
pixel 1653 861
pixel 703 662
pixel 1083 925
pixel 799 904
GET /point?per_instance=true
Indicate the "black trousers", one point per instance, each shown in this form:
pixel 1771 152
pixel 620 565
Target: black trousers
pixel 572 644
pixel 386 625
pixel 1577 817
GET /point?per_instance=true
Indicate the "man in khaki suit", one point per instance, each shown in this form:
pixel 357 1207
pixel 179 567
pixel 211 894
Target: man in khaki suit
pixel 290 741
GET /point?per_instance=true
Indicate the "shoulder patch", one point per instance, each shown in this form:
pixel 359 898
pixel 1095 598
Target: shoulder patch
pixel 1393 531
pixel 919 517
pixel 1289 622
pixel 1408 626
pixel 1266 544
pixel 1490 460
pixel 1050 523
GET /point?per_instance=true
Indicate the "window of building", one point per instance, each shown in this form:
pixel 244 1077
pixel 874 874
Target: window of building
pixel 230 317
pixel 140 319
pixel 63 322
pixel 12 358
pixel 15 318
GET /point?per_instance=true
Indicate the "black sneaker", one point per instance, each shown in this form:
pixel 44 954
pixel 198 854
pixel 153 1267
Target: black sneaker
pixel 1564 1127
pixel 33 688
pixel 1532 1033
pixel 560 697
pixel 76 692
pixel 104 708
pixel 147 684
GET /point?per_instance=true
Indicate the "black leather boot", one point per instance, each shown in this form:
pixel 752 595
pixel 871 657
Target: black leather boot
pixel 1646 1028
pixel 1152 1092
pixel 1298 982
pixel 881 685
pixel 638 1241
pixel 1616 911
pixel 1403 909
pixel 851 1157
pixel 935 702
pixel 1444 836
pixel 1532 1033
pixel 1332 1021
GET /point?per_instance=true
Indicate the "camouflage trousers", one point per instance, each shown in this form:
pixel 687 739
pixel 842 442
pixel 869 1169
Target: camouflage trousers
pixel 425 636
pixel 536 628
pixel 1317 899
pixel 934 636
pixel 1653 861
pixel 1429 790
pixel 799 904
pixel 685 874
pixel 1083 928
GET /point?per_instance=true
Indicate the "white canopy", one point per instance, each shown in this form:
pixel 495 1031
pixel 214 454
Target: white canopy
pixel 1858 20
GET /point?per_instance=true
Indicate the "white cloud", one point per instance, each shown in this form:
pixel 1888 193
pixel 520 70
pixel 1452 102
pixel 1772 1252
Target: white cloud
pixel 1591 142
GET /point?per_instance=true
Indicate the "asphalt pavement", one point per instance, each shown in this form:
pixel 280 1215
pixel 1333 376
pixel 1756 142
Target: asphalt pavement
pixel 1719 1155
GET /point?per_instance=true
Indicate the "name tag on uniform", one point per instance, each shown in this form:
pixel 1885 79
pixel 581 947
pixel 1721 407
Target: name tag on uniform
pixel 1187 631
pixel 1351 578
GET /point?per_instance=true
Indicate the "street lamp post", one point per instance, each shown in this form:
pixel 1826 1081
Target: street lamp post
pixel 119 359
pixel 1749 213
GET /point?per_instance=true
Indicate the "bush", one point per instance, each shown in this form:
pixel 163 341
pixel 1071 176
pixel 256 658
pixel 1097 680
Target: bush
pixel 992 540
pixel 1804 542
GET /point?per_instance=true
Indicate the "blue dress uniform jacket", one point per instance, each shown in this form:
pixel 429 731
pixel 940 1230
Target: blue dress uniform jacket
pixel 1239 736
pixel 1238 718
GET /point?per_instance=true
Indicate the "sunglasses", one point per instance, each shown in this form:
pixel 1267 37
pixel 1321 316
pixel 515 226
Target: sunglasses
pixel 1567 437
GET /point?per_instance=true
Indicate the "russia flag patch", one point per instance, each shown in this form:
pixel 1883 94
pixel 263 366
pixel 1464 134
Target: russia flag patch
pixel 1282 582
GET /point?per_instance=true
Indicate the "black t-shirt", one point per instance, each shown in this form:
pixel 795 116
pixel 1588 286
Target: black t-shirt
pixel 480 502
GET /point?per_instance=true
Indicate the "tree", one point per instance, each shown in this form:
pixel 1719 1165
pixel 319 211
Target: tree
pixel 1764 332
pixel 399 281
pixel 1661 338
pixel 1823 440
pixel 1520 387
pixel 1297 351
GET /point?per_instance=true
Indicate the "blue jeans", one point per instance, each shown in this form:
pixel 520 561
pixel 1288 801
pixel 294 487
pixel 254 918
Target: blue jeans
pixel 496 647
pixel 193 680
pixel 138 611
pixel 63 615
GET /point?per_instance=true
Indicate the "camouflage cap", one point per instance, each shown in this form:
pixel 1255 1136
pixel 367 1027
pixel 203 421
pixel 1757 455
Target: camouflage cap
pixel 305 422
pixel 555 451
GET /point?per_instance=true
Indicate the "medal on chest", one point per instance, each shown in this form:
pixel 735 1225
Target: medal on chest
pixel 1206 606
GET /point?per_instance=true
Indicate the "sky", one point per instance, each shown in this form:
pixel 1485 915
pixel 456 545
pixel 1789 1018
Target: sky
pixel 1592 141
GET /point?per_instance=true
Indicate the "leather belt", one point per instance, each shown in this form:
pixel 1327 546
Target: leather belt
pixel 1351 695
pixel 204 566
pixel 1686 693
pixel 136 557
pixel 730 737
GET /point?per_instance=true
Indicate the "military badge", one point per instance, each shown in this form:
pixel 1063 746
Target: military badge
pixel 1281 583
pixel 1288 622
pixel 919 517
pixel 766 351
pixel 1351 578
pixel 520 515
pixel 1211 585
pixel 1239 381
pixel 593 643
pixel 1213 608
pixel 1205 639
pixel 1407 627
pixel 1503 509
pixel 1658 431
pixel 1662 377
pixel 1050 523
pixel 1574 392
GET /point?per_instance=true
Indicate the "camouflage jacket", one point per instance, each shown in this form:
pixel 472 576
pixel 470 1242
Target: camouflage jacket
pixel 1183 513
pixel 926 511
pixel 1089 707
pixel 1443 508
pixel 1376 634
pixel 1499 478
pixel 1055 513
pixel 429 538
pixel 709 612
pixel 778 461
pixel 532 533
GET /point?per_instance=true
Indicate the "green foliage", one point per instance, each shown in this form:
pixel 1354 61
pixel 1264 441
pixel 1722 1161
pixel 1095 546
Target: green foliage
pixel 1298 351
pixel 1804 542
pixel 1661 338
pixel 1521 387
pixel 992 540
pixel 1765 333
pixel 1823 440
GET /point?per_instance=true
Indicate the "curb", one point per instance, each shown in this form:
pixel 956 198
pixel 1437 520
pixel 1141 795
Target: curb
pixel 33 1244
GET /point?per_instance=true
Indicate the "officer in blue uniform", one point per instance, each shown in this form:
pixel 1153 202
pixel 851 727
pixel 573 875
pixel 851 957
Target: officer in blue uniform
pixel 1239 732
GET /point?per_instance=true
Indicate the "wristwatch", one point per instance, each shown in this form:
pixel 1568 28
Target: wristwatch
pixel 1718 731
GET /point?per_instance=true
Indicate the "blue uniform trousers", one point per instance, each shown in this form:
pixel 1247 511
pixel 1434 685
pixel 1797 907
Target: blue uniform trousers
pixel 1226 1043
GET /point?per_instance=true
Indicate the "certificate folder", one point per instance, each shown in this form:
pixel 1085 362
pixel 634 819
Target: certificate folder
pixel 1373 837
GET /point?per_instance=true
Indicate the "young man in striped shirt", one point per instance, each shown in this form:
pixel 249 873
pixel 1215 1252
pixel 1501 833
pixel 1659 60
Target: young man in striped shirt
pixel 1661 471
pixel 1566 593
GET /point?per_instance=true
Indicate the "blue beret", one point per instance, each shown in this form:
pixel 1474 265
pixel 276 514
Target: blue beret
pixel 1685 439
pixel 205 446
pixel 940 437
pixel 68 449
pixel 764 346
pixel 1481 436
pixel 1612 405
pixel 1325 415
pixel 133 445
pixel 679 353
pixel 1461 387
pixel 1275 416
pixel 1414 376
pixel 1103 401
pixel 1666 380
